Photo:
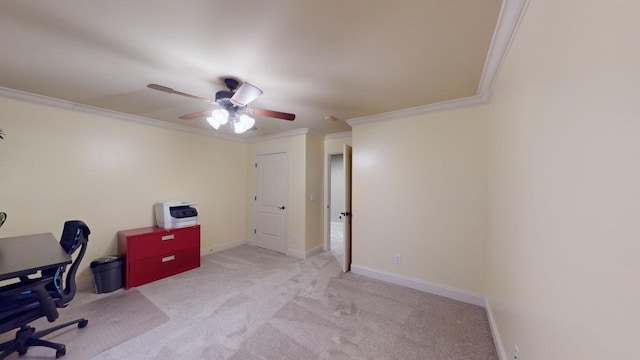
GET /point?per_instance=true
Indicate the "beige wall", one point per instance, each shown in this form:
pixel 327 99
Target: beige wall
pixel 314 186
pixel 58 165
pixel 334 145
pixel 419 190
pixel 564 184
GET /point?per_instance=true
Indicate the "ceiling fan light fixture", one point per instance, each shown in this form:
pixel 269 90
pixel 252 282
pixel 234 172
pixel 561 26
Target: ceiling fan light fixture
pixel 243 123
pixel 231 108
pixel 213 123
pixel 218 117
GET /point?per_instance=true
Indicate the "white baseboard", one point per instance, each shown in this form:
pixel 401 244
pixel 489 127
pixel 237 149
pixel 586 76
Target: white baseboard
pixel 422 285
pixel 316 250
pixel 298 254
pixel 221 247
pixel 497 340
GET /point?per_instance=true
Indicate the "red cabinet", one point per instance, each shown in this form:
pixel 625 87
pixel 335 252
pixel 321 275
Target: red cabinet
pixel 154 253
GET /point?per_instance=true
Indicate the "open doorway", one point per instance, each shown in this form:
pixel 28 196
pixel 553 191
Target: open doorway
pixel 338 201
pixel 336 206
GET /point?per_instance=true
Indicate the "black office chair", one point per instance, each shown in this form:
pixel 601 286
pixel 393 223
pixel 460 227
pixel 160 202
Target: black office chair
pixel 30 299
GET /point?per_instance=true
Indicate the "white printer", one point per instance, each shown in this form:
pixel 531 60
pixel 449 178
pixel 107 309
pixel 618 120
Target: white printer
pixel 175 214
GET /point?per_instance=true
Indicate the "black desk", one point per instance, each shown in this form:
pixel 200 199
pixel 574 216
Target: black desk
pixel 24 255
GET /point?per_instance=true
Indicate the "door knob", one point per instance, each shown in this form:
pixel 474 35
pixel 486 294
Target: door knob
pixel 281 207
pixel 345 213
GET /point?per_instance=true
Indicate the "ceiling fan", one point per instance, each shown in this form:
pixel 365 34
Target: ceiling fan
pixel 232 106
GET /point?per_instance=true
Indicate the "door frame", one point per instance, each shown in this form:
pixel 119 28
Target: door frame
pixel 327 197
pixel 255 193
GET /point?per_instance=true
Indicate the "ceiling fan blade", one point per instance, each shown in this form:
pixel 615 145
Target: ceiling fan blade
pixel 171 91
pixel 274 114
pixel 245 94
pixel 195 115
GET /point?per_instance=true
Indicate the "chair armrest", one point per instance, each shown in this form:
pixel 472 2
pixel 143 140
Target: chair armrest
pixel 37 287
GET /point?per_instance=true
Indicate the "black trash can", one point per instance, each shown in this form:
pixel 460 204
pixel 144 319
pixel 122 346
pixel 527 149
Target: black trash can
pixel 107 273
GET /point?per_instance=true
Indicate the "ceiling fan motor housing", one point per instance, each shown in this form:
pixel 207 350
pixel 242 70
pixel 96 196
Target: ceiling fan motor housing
pixel 223 94
pixel 223 99
pixel 232 84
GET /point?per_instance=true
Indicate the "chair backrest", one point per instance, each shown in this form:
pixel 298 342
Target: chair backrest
pixel 75 235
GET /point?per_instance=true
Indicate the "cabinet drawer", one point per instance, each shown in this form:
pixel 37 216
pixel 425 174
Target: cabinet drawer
pixel 162 242
pixel 147 270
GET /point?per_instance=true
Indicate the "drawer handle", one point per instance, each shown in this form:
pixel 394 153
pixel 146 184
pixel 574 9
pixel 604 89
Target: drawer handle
pixel 168 258
pixel 168 237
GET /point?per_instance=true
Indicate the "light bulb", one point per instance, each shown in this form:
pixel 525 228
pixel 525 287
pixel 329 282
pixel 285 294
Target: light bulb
pixel 238 128
pixel 213 122
pixel 243 124
pixel 220 115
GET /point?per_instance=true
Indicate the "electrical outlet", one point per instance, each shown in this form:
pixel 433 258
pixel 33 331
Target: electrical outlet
pixel 398 259
pixel 516 353
pixel 294 238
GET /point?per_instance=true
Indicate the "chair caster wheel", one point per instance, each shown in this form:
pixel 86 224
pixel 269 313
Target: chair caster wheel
pixel 21 352
pixel 83 323
pixel 61 352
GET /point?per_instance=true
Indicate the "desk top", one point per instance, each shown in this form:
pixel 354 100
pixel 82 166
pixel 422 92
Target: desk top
pixel 24 255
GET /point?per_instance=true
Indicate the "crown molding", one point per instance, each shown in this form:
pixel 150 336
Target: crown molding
pixel 286 134
pixel 509 19
pixel 316 133
pixel 69 105
pixel 419 110
pixel 346 134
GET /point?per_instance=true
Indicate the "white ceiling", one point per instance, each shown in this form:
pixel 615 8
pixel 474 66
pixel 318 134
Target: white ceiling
pixel 341 58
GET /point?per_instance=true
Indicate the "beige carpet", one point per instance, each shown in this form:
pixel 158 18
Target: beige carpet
pixel 113 319
pixel 250 303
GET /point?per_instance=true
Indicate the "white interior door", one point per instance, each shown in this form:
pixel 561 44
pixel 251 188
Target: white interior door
pixel 272 191
pixel 346 214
